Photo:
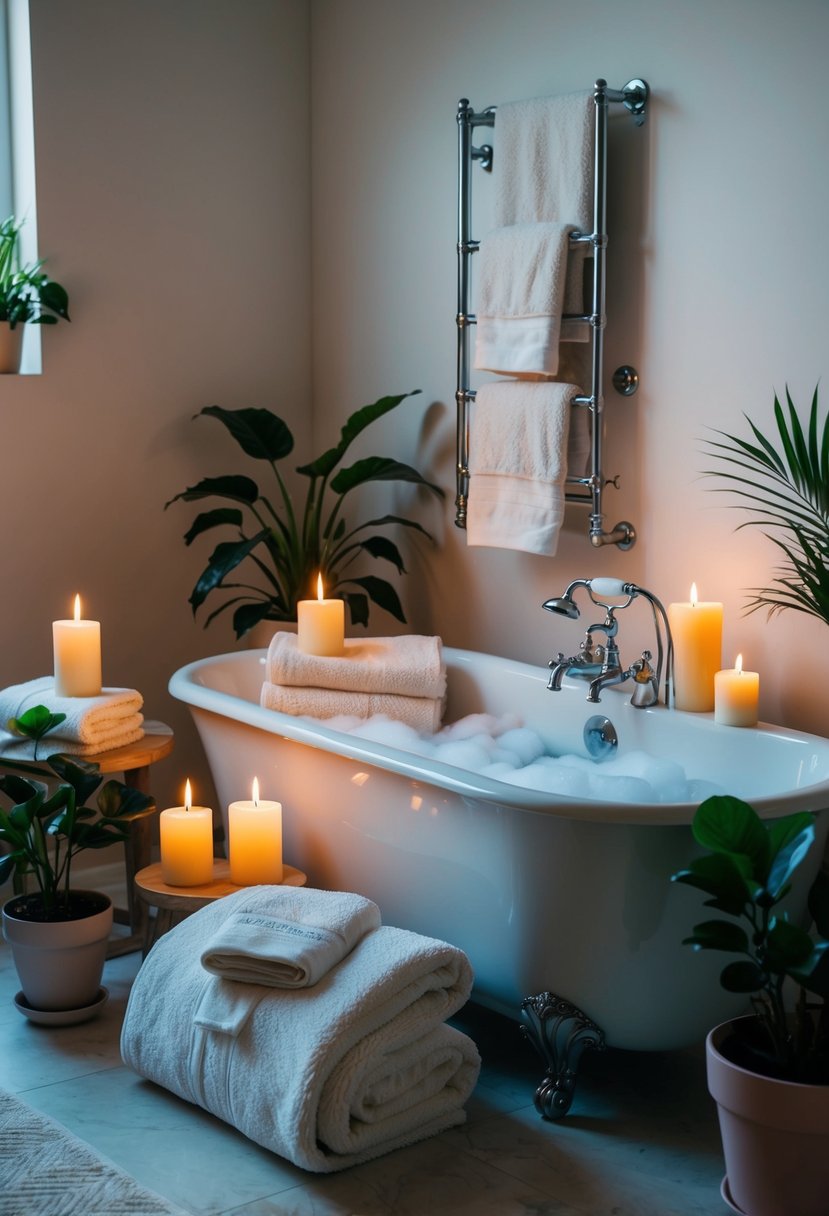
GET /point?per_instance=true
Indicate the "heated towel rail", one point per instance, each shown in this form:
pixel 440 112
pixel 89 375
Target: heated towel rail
pixel 589 489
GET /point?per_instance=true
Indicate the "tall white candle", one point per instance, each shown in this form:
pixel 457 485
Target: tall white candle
pixel 696 629
pixel 736 696
pixel 255 840
pixel 77 654
pixel 320 624
pixel 186 835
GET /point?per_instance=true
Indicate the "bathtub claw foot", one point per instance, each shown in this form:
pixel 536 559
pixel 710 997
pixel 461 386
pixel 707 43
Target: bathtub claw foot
pixel 560 1033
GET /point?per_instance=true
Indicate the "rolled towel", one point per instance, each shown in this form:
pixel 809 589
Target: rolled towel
pixel 518 464
pixel 293 940
pixel 327 1076
pixel 92 724
pixel 423 714
pixel 521 298
pixel 412 665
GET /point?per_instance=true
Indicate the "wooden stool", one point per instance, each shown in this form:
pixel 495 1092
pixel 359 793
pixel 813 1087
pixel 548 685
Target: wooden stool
pixel 173 904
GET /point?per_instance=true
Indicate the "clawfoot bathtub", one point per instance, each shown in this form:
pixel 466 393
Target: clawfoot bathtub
pixel 546 894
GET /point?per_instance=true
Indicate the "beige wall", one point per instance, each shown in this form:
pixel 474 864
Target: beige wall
pixel 717 280
pixel 172 162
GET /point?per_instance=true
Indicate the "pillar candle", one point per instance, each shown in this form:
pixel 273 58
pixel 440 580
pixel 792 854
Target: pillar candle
pixel 255 840
pixel 736 696
pixel 320 624
pixel 697 635
pixel 186 835
pixel 77 655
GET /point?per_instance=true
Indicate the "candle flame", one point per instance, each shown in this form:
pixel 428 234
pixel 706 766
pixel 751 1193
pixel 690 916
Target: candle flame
pixel 693 595
pixel 738 665
pixel 319 586
pixel 188 796
pixel 255 791
pixel 77 607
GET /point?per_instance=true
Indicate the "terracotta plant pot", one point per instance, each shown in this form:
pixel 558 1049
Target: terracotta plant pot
pixel 11 347
pixel 775 1136
pixel 60 963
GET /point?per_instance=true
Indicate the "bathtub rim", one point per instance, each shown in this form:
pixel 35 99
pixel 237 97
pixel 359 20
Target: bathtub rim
pixel 185 688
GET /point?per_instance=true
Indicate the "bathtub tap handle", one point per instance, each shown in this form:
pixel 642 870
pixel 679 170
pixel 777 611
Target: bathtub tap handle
pixel 646 692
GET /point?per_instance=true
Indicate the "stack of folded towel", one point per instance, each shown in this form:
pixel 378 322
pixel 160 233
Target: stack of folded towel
pixel 92 724
pixel 401 677
pixel 328 1046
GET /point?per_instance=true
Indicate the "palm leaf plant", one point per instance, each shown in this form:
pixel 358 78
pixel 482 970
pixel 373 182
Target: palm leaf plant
pixel 784 481
pixel 27 294
pixel 290 543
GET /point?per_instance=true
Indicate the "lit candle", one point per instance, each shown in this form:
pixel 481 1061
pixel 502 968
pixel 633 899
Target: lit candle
pixel 186 834
pixel 697 635
pixel 736 696
pixel 77 653
pixel 320 624
pixel 255 840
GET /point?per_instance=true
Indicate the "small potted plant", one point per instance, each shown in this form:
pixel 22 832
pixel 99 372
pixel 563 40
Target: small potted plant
pixel 27 296
pixel 289 543
pixel 768 1071
pixel 58 934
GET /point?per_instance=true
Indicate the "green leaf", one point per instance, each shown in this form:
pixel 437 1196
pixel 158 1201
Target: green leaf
pixel 357 607
pixel 787 946
pixel 236 487
pixel 719 875
pixel 813 974
pixel 259 433
pixel 727 825
pixel 379 468
pixel 212 519
pixel 382 594
pixel 718 935
pixel 819 902
pixel 788 858
pixel 248 615
pixel 53 296
pixel 7 866
pixel 83 776
pixel 381 546
pixel 324 465
pixel 224 558
pixel 18 789
pixel 125 802
pixel 35 722
pixel 742 976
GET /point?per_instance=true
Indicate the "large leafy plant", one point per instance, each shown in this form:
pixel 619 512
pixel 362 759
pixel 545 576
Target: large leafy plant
pixel 287 543
pixel 784 481
pixel 27 294
pixel 747 872
pixel 44 831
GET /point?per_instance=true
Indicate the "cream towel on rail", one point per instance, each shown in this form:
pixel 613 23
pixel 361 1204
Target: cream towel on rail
pixel 92 724
pixel 423 714
pixel 293 942
pixel 412 665
pixel 518 463
pixel 543 171
pixel 521 298
pixel 327 1076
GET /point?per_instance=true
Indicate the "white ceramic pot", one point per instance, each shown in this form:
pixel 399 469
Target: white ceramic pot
pixel 775 1137
pixel 60 963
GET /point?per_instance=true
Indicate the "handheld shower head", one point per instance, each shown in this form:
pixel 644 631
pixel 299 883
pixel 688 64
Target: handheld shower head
pixel 564 606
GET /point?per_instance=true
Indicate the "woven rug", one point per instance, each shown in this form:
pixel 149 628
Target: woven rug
pixel 46 1171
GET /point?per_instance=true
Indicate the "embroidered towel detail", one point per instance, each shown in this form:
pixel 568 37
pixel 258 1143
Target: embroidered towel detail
pixel 292 939
pixel 518 463
pixel 411 665
pixel 423 714
pixel 92 724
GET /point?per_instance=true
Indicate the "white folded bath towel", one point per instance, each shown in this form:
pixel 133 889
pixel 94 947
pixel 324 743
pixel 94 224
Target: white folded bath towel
pixel 518 463
pixel 292 939
pixel 543 172
pixel 521 298
pixel 327 1076
pixel 423 714
pixel 411 665
pixel 92 724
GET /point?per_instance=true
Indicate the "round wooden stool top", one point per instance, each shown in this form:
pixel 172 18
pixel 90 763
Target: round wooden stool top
pixel 153 890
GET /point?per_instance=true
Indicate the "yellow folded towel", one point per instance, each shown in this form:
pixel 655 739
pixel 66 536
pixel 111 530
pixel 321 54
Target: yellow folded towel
pixel 407 666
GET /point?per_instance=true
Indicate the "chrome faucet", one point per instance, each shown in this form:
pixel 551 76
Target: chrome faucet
pixel 601 664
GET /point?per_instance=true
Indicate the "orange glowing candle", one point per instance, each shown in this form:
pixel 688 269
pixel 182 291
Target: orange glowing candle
pixel 321 624
pixel 255 840
pixel 186 835
pixel 697 635
pixel 77 656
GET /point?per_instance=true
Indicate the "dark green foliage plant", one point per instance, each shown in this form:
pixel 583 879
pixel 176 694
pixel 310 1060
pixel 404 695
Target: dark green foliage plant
pixel 289 543
pixel 747 872
pixel 27 294
pixel 784 482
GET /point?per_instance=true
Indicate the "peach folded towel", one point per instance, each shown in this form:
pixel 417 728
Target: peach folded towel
pixel 423 714
pixel 407 666
pixel 92 724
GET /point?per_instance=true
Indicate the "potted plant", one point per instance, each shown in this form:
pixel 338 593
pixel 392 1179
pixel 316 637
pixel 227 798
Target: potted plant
pixel 27 296
pixel 289 543
pixel 769 1071
pixel 58 934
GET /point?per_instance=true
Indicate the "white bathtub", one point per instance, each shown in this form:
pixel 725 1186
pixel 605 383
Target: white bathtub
pixel 561 895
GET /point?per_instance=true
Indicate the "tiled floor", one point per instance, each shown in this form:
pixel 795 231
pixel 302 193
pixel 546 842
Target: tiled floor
pixel 641 1138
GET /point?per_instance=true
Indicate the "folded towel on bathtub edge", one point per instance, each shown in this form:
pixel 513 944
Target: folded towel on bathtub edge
pixel 411 665
pixel 327 1076
pixel 423 714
